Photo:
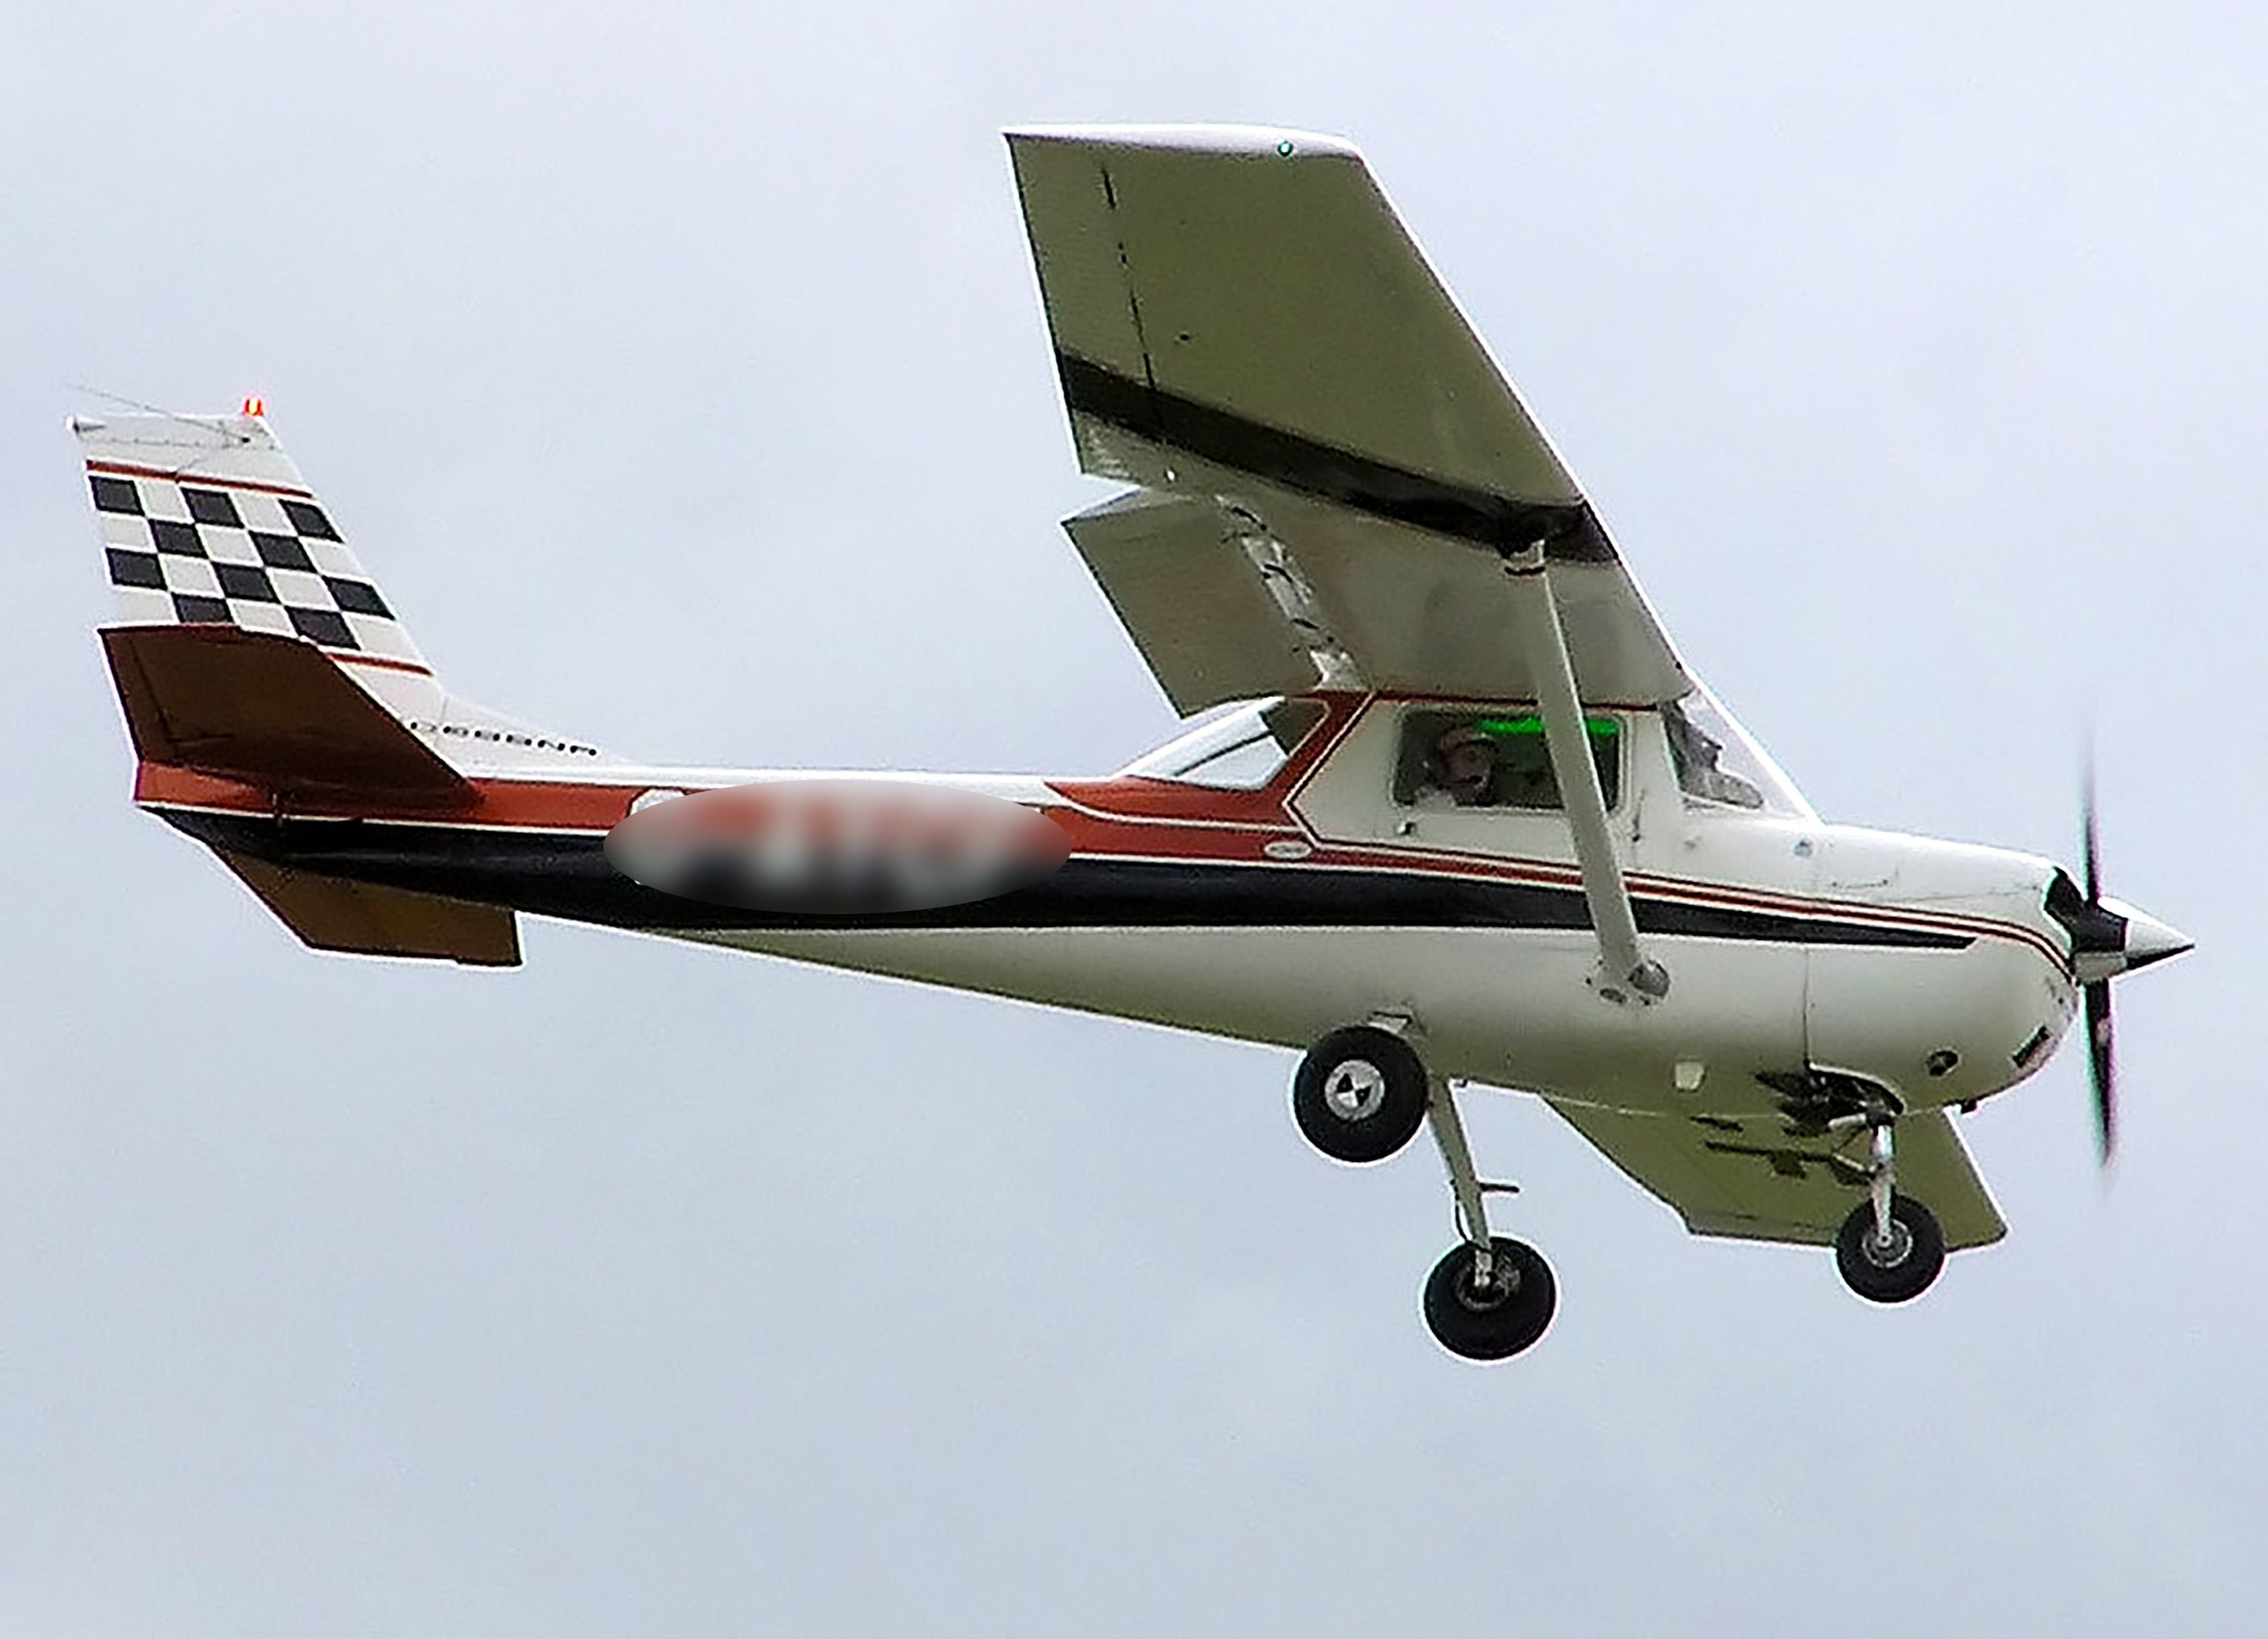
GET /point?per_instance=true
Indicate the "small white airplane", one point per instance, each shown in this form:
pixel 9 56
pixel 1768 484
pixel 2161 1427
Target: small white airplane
pixel 1456 811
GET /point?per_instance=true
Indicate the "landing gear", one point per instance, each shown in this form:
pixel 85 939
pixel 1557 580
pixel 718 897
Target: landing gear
pixel 1891 1267
pixel 1891 1247
pixel 1490 1297
pixel 1492 1316
pixel 1360 1094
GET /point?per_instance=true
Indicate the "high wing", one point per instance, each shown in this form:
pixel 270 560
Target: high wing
pixel 1752 1180
pixel 1329 462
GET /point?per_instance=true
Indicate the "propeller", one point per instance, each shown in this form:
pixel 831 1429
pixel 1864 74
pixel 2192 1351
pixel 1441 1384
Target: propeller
pixel 2108 938
pixel 2102 1060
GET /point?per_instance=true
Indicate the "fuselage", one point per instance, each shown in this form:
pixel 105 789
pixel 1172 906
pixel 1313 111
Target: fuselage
pixel 1274 903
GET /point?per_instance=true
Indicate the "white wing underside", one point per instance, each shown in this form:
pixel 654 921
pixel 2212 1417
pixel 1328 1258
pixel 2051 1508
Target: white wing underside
pixel 1329 462
pixel 1753 1180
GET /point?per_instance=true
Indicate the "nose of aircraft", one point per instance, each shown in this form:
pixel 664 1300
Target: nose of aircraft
pixel 2147 939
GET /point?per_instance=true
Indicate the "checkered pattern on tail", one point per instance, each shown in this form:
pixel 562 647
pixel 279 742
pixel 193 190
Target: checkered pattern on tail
pixel 205 520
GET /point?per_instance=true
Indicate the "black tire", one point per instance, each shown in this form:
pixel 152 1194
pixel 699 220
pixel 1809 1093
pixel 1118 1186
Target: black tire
pixel 1498 1321
pixel 1901 1272
pixel 1360 1094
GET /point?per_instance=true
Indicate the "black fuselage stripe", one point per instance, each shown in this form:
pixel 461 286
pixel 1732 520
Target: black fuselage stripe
pixel 569 876
pixel 1570 532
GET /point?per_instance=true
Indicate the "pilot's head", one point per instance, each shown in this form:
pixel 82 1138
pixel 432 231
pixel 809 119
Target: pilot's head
pixel 1466 760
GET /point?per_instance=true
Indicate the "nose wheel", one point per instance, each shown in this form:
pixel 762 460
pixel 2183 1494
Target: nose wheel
pixel 1893 1268
pixel 1891 1247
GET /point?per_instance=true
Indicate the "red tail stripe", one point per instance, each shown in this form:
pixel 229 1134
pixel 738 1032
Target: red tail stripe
pixel 207 480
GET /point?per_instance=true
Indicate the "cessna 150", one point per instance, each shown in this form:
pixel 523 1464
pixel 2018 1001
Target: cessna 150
pixel 1459 813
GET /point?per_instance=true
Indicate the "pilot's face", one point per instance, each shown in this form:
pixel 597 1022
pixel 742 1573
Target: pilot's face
pixel 1465 770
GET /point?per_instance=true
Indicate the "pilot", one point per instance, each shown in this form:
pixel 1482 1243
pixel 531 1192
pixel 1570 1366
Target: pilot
pixel 1460 771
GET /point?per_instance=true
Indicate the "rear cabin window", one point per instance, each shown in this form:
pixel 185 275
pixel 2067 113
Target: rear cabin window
pixel 1468 759
pixel 1240 751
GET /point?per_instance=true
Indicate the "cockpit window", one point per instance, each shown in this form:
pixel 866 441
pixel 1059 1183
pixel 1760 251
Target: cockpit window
pixel 1716 762
pixel 1239 750
pixel 1468 759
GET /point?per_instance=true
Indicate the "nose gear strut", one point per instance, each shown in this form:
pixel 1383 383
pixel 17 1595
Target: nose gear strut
pixel 1891 1247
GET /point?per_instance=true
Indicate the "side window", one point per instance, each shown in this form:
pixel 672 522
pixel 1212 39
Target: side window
pixel 1241 751
pixel 1497 758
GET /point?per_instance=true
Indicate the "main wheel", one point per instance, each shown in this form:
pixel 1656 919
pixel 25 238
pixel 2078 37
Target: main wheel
pixel 1897 1270
pixel 1360 1094
pixel 1496 1319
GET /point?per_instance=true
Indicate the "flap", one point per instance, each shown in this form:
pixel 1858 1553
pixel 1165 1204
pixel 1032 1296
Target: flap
pixel 1752 1180
pixel 1176 573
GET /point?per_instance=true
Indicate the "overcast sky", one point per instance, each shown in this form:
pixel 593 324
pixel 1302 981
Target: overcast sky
pixel 684 384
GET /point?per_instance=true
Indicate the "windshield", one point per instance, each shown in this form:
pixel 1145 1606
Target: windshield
pixel 1716 762
pixel 1238 748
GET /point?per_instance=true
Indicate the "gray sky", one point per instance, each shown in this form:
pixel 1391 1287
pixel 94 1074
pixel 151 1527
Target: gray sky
pixel 684 383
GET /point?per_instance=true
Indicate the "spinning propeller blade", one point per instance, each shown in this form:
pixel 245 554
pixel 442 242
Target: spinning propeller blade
pixel 2101 1065
pixel 2109 937
pixel 2091 861
pixel 2102 1069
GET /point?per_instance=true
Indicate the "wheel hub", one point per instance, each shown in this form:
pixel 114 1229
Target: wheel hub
pixel 1501 1286
pixel 1355 1090
pixel 1888 1251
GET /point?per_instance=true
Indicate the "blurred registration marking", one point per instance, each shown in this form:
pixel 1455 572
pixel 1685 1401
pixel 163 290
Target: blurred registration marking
pixel 837 847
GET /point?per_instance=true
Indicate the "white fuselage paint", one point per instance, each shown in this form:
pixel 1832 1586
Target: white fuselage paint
pixel 1514 1008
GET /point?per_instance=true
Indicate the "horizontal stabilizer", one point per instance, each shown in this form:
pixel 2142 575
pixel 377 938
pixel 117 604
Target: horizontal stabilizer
pixel 268 710
pixel 330 913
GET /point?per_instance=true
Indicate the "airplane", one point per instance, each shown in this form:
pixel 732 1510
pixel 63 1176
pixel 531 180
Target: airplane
pixel 1450 810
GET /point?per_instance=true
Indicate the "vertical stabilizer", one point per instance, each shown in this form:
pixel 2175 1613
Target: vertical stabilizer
pixel 206 522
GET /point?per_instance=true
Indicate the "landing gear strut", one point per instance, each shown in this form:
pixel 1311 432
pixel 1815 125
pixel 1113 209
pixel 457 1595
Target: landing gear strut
pixel 1891 1247
pixel 1361 1094
pixel 1491 1297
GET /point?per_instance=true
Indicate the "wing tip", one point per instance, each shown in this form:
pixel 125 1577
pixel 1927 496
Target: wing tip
pixel 1247 141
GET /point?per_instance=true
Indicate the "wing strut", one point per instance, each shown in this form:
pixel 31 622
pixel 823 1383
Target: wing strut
pixel 1625 973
